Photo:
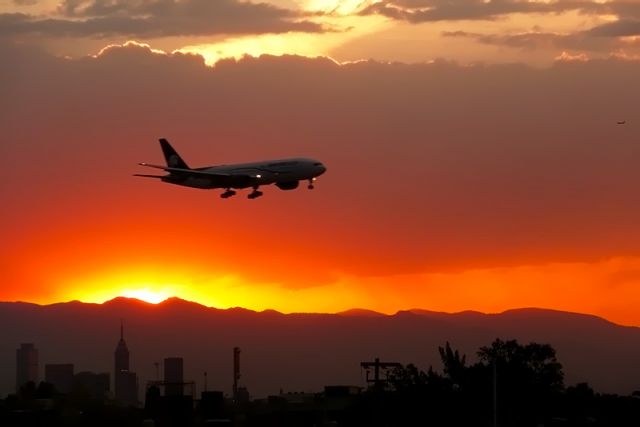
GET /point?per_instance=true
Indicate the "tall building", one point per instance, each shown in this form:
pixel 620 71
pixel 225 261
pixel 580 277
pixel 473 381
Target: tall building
pixel 60 375
pixel 173 376
pixel 26 365
pixel 236 372
pixel 121 354
pixel 126 382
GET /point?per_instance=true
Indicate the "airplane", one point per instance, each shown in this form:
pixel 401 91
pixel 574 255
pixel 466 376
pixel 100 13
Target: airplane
pixel 621 122
pixel 286 174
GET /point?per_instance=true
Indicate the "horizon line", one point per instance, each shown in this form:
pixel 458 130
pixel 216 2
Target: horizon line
pixel 352 312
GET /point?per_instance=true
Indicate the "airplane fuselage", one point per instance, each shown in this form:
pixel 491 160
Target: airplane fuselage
pixel 283 171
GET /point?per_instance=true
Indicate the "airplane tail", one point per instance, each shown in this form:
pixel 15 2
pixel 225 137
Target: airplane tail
pixel 171 156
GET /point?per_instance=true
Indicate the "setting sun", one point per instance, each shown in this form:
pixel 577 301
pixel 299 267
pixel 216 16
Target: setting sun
pixel 146 294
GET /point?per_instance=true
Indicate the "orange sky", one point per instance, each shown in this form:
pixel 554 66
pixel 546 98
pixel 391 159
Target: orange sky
pixel 451 185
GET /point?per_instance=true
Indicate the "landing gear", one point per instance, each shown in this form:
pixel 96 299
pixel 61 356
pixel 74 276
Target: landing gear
pixel 255 193
pixel 228 193
pixel 311 186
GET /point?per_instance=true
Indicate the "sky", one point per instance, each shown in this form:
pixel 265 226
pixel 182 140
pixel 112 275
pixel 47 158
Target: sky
pixel 473 153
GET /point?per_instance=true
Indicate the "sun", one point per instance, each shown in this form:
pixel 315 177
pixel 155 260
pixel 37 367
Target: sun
pixel 152 284
pixel 146 294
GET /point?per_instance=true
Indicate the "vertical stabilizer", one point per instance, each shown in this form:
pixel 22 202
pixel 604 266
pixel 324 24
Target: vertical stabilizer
pixel 171 156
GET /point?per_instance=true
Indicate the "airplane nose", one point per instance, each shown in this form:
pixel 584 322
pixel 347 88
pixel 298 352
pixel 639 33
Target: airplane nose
pixel 323 169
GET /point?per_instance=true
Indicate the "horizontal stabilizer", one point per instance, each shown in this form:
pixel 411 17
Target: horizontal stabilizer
pixel 153 166
pixel 148 176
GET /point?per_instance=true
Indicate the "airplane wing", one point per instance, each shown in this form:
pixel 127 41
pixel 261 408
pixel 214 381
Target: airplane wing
pixel 219 179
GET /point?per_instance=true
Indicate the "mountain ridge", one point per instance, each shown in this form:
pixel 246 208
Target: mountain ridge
pixel 353 312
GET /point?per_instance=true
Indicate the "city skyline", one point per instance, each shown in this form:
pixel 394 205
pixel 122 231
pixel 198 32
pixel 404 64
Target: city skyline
pixel 125 389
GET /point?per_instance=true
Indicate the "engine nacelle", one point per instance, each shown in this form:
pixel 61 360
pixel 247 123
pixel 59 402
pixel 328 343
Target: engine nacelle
pixel 287 185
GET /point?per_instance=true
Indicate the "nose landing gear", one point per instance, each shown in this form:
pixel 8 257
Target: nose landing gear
pixel 311 186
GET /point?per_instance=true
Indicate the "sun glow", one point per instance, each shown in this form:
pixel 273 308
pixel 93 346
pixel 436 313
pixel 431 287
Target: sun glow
pixel 150 284
pixel 157 284
pixel 342 30
pixel 146 294
pixel 272 44
pixel 484 289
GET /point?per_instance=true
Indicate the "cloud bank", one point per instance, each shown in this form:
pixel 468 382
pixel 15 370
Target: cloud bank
pixel 157 18
pixel 419 11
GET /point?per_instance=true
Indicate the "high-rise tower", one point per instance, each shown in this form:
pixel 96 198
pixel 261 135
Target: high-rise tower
pixel 126 382
pixel 173 376
pixel 26 365
pixel 121 355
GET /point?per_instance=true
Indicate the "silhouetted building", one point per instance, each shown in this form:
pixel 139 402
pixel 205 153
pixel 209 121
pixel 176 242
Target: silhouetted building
pixel 129 388
pixel 26 365
pixel 121 355
pixel 174 376
pixel 236 372
pixel 95 385
pixel 125 382
pixel 60 375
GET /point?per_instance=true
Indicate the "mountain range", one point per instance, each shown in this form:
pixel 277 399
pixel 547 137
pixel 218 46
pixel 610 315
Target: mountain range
pixel 302 352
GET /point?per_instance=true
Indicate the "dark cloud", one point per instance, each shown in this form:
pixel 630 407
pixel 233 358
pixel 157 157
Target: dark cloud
pixel 629 9
pixel 620 28
pixel 540 40
pixel 418 11
pixel 529 40
pixel 429 165
pixel 158 18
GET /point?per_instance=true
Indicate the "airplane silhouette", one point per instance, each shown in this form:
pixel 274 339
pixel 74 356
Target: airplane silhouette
pixel 621 122
pixel 286 174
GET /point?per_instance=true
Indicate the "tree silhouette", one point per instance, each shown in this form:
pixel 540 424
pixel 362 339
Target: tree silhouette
pixel 529 379
pixel 454 364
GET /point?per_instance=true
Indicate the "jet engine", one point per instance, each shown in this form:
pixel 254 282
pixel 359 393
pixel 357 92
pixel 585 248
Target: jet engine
pixel 287 185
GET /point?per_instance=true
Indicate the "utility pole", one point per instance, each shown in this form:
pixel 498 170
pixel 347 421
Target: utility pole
pixel 377 366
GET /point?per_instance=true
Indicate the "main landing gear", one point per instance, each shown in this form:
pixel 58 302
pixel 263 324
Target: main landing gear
pixel 228 193
pixel 255 193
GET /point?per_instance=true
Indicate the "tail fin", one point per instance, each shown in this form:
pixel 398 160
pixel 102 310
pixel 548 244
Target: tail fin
pixel 171 156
